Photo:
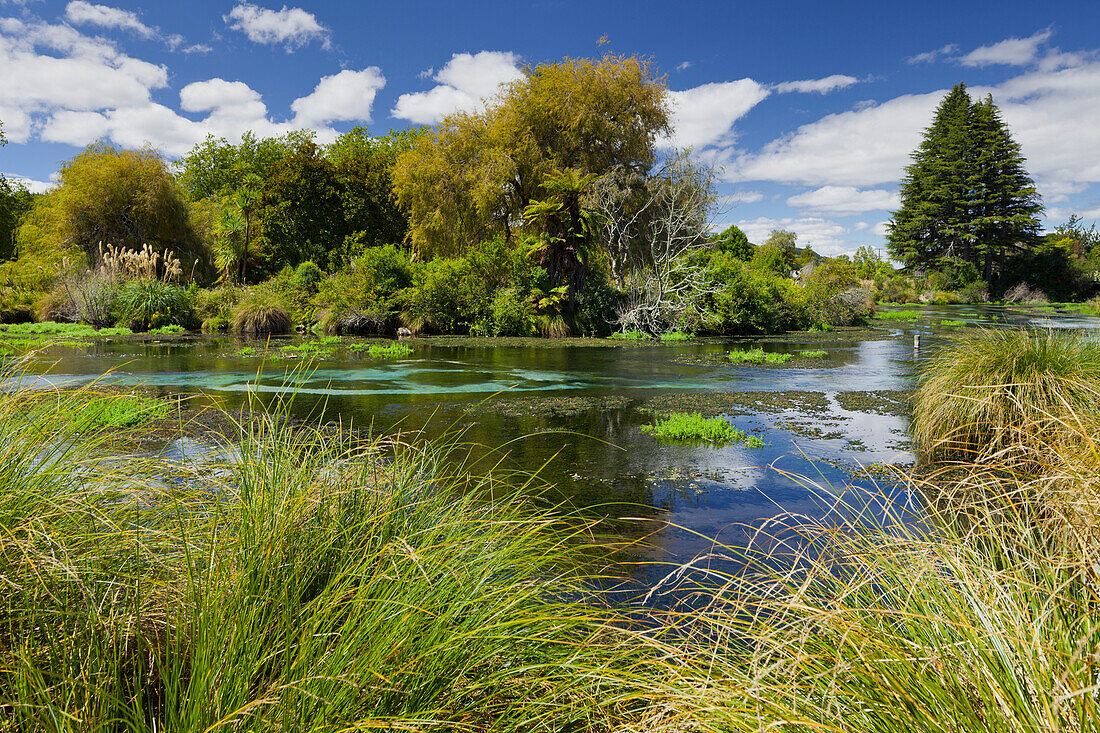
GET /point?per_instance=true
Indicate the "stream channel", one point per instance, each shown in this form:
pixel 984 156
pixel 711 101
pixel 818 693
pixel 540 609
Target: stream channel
pixel 574 409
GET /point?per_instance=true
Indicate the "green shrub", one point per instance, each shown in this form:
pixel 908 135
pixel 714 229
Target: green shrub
pixel 597 307
pixel 749 301
pixel 757 356
pixel 307 276
pixel 510 314
pixel 146 304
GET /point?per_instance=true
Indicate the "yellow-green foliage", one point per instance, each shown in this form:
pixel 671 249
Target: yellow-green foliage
pixel 308 583
pixel 994 390
pixel 108 195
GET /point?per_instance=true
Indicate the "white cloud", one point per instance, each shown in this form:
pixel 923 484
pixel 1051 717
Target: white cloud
pixel 845 200
pixel 464 82
pixel 824 236
pixel 880 228
pixel 934 55
pixel 1011 51
pixel 197 48
pixel 743 197
pixel 684 65
pixel 81 13
pixel 69 88
pixel 820 86
pixel 291 27
pixel 91 73
pixel 29 183
pixel 348 95
pixel 704 115
pixel 862 147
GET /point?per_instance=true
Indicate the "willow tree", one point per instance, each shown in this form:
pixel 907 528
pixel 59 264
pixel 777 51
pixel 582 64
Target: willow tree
pixel 472 177
pixel 111 196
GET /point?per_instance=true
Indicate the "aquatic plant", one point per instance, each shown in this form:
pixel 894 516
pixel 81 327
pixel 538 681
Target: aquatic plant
pixel 903 315
pixel 169 329
pixel 388 351
pixel 674 336
pixel 629 335
pixel 997 390
pixel 949 322
pixel 693 427
pixel 815 354
pixel 757 356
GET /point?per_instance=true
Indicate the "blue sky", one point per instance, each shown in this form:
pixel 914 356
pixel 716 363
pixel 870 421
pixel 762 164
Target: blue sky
pixel 810 108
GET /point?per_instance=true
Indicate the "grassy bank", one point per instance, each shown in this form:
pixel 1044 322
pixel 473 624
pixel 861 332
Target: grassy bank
pixel 319 582
pixel 309 585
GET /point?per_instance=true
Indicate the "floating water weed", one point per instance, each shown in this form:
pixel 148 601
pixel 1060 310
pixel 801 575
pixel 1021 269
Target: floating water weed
pixel 693 427
pixel 676 336
pixel 813 354
pixel 757 356
pixel 904 315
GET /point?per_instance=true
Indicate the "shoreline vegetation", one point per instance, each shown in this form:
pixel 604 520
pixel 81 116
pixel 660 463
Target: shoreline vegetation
pixel 326 580
pixel 319 578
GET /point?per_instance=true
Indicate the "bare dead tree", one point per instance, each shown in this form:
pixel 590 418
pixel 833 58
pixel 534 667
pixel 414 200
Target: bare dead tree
pixel 654 235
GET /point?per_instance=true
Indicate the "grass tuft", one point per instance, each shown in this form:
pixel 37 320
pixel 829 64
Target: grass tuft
pixel 997 389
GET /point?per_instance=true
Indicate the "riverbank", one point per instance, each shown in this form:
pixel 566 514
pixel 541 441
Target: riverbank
pixel 326 580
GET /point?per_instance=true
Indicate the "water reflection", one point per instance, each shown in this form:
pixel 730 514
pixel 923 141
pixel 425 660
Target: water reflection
pixel 574 413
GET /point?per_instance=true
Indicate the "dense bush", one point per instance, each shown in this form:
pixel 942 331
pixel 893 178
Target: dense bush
pixel 833 296
pixel 747 300
pixel 146 304
pixel 510 314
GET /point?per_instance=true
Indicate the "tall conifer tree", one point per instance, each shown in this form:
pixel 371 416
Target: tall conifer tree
pixel 966 194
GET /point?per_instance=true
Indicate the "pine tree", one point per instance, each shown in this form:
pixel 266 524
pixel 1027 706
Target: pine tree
pixel 966 195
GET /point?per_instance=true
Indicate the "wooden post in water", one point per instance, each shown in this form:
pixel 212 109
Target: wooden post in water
pixel 916 342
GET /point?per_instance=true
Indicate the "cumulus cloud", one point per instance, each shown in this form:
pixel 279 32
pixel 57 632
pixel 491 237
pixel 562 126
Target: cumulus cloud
pixel 463 85
pixel 66 87
pixel 704 115
pixel 845 200
pixel 348 95
pixel 1010 52
pixel 820 86
pixel 84 13
pixel 29 183
pixel 290 27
